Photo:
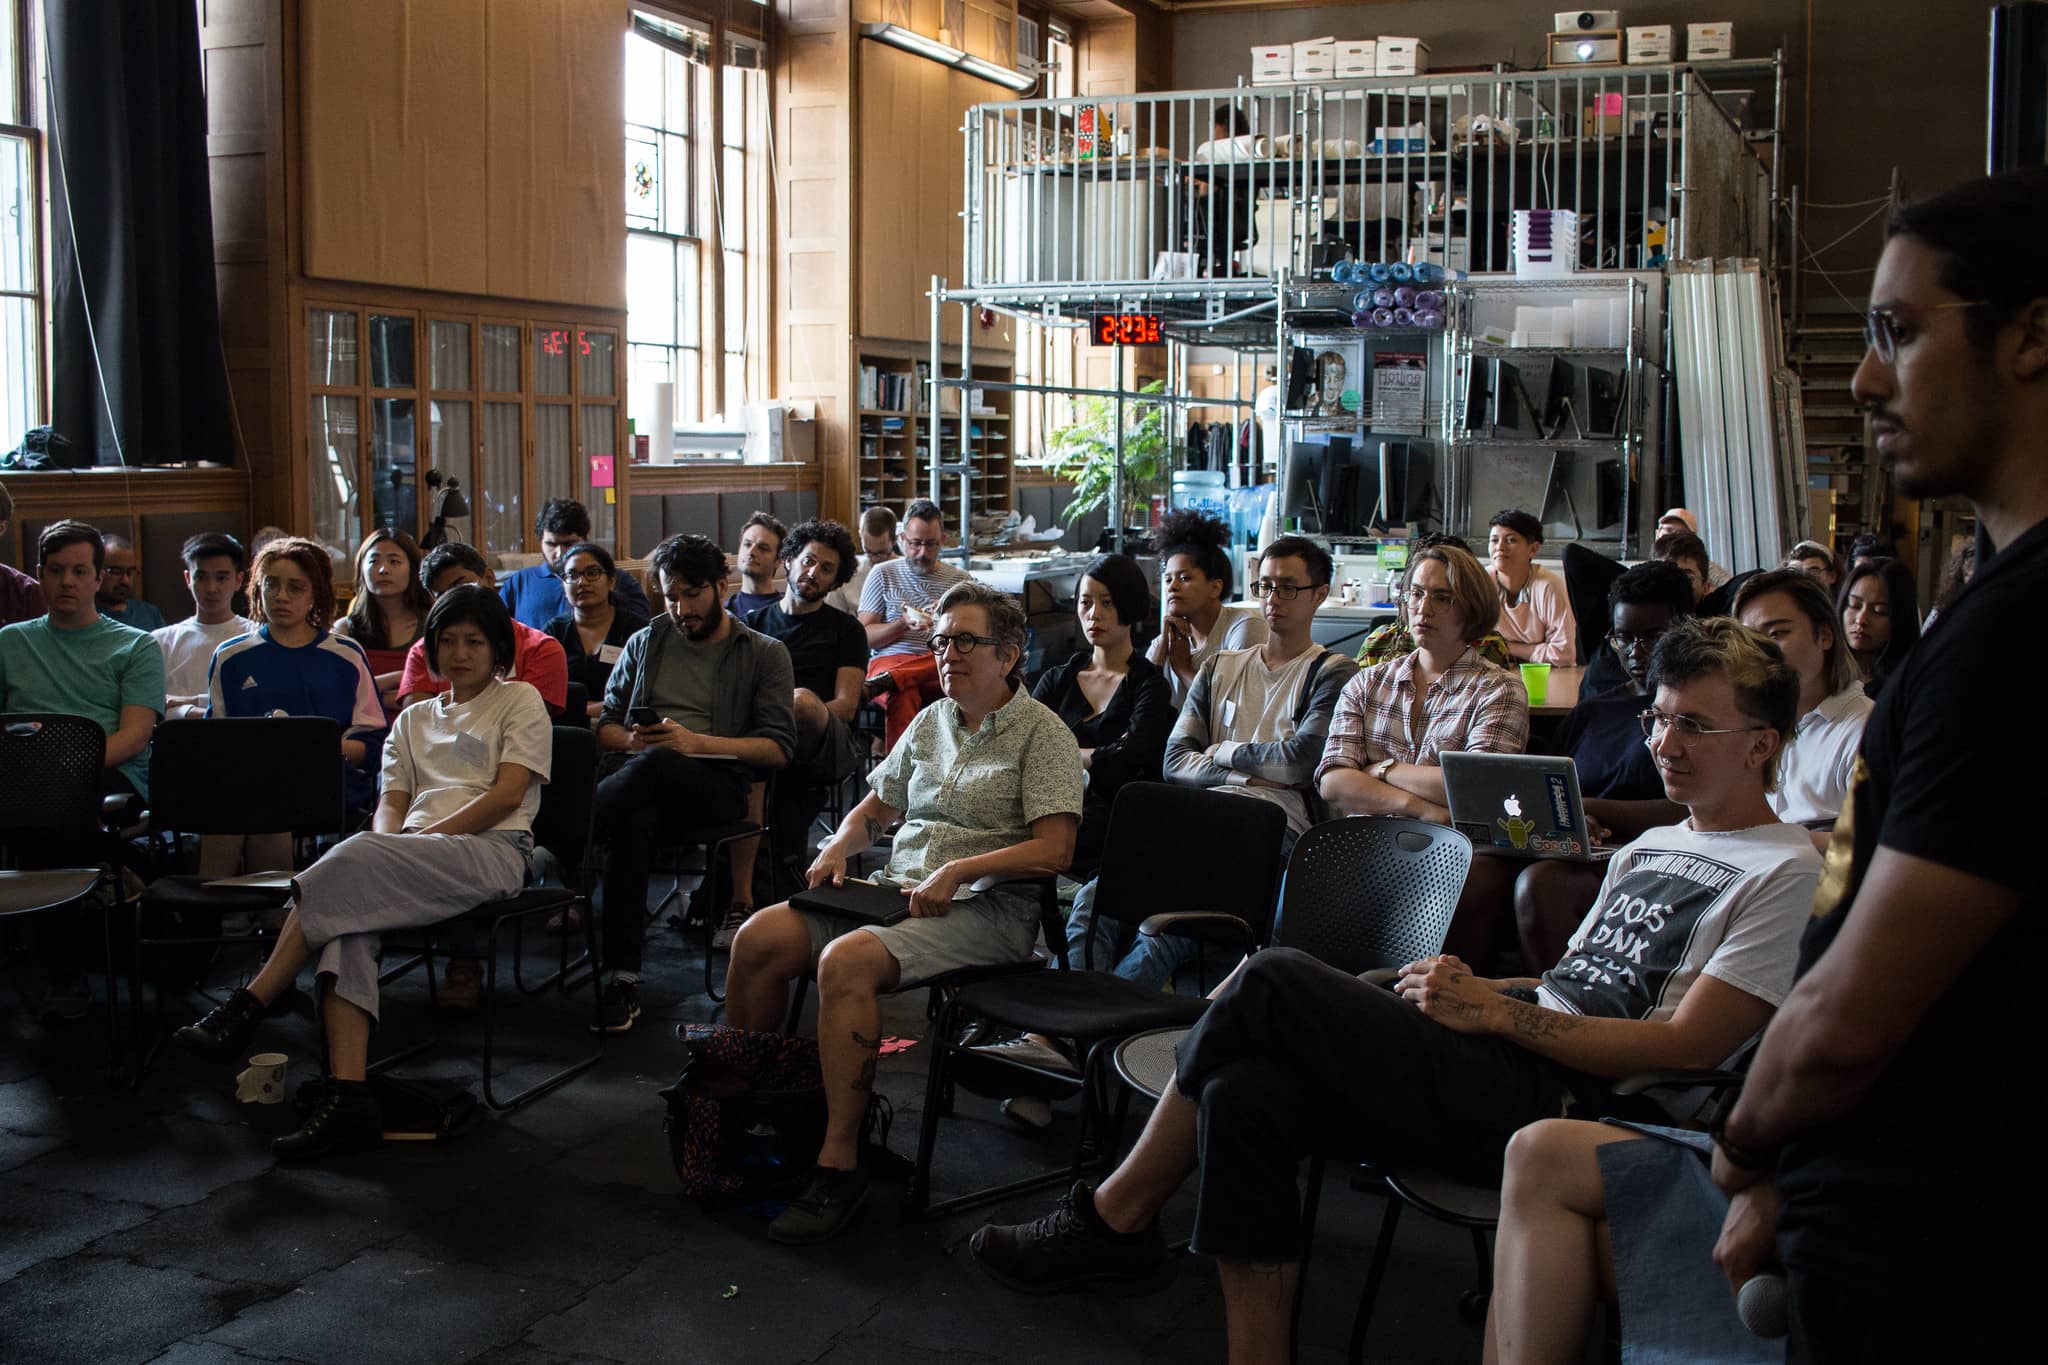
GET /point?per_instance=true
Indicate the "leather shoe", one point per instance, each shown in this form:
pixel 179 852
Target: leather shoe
pixel 347 1119
pixel 225 1031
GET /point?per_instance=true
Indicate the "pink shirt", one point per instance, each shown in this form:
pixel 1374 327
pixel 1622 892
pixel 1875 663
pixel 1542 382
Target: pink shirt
pixel 1541 616
pixel 538 661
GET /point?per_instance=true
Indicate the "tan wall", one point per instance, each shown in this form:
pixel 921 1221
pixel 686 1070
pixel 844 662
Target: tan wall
pixel 465 146
pixel 910 186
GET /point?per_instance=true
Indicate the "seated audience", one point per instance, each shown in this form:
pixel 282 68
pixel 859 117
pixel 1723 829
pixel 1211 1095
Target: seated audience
pixel 720 697
pixel 1689 553
pixel 1195 623
pixel 1535 611
pixel 537 657
pixel 535 593
pixel 1793 612
pixel 896 608
pixel 1880 608
pixel 291 665
pixel 462 780
pixel 759 558
pixel 120 594
pixel 1393 639
pixel 1618 779
pixel 1682 520
pixel 1255 720
pixel 389 611
pixel 216 572
pixel 1817 562
pixel 1641 603
pixel 596 627
pixel 878 541
pixel 1295 1057
pixel 76 661
pixel 21 597
pixel 987 783
pixel 828 656
pixel 1394 719
pixel 1955 576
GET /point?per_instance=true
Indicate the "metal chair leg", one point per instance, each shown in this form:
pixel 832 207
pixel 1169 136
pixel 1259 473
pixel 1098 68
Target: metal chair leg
pixel 1311 1205
pixel 1382 1252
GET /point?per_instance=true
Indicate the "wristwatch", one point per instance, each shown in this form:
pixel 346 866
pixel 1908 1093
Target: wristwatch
pixel 1739 1157
pixel 1380 769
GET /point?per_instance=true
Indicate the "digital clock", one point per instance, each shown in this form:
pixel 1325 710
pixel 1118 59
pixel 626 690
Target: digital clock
pixel 1128 329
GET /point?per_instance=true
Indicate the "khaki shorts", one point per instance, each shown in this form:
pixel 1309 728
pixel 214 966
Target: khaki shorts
pixel 982 931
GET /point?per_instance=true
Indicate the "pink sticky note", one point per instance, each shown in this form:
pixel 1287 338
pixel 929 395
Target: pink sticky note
pixel 601 471
pixel 1609 104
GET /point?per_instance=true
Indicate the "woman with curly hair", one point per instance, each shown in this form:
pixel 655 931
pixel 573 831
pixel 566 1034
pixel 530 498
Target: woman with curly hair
pixel 1195 622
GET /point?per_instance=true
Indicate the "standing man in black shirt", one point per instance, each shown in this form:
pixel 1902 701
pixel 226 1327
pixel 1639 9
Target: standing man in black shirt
pixel 1888 1136
pixel 828 652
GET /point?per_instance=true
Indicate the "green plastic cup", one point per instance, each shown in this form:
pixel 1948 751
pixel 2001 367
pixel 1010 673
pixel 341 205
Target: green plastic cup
pixel 1536 680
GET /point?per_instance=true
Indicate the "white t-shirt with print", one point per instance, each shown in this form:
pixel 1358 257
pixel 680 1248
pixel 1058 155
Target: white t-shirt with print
pixel 447 755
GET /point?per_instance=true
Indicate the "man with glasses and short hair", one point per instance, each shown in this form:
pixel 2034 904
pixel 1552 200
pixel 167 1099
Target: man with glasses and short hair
pixel 121 586
pixel 1683 956
pixel 896 608
pixel 535 594
pixel 1255 719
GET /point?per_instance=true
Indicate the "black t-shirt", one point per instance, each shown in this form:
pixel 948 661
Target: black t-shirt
pixel 1603 737
pixel 820 643
pixel 1938 1159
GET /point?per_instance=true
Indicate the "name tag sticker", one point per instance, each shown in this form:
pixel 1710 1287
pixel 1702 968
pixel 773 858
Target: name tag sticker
pixel 471 751
pixel 609 654
pixel 1229 713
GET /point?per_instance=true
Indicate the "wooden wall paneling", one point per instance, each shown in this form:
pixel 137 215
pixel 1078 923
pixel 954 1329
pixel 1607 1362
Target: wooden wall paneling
pixel 395 108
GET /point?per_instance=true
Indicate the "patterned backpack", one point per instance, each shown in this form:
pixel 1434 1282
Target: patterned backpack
pixel 747 1115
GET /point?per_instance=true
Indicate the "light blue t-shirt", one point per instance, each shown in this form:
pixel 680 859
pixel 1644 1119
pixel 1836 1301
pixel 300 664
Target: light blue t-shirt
pixel 92 671
pixel 140 614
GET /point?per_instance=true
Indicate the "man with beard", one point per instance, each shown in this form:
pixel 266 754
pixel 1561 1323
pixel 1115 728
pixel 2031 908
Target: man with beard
pixel 1881 1147
pixel 698 709
pixel 828 654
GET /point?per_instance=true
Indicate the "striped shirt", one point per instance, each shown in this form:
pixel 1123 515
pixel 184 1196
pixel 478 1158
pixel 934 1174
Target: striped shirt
pixel 1475 707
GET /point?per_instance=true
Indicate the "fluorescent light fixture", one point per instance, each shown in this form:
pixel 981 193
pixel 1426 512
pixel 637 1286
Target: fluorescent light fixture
pixel 931 49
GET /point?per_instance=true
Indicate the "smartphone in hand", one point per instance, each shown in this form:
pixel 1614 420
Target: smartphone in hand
pixel 644 715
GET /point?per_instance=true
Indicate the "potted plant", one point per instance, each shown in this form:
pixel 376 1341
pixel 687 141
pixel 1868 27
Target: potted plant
pixel 1086 455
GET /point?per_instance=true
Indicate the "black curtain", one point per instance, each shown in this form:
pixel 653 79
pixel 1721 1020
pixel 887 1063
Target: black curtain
pixel 136 363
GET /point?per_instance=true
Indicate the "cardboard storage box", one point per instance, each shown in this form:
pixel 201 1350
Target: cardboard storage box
pixel 778 432
pixel 1401 56
pixel 1273 65
pixel 1356 60
pixel 1649 46
pixel 1315 59
pixel 1709 42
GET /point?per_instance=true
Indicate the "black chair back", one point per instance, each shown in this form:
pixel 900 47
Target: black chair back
pixel 248 775
pixel 1372 891
pixel 1587 576
pixel 50 774
pixel 1159 855
pixel 576 702
pixel 562 825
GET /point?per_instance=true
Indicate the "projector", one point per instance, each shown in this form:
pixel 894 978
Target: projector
pixel 1587 47
pixel 1585 20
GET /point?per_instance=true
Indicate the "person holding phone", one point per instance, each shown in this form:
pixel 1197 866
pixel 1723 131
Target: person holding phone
pixel 698 710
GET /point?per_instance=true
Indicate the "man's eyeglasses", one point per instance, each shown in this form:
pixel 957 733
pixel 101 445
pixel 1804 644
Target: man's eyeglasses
pixel 1286 592
pixel 1883 331
pixel 1629 641
pixel 963 642
pixel 910 544
pixel 589 574
pixel 1655 722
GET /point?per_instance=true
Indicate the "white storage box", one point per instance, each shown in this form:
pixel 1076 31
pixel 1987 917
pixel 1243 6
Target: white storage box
pixel 1315 59
pixel 1544 244
pixel 1273 65
pixel 1356 60
pixel 1709 42
pixel 1649 46
pixel 1401 56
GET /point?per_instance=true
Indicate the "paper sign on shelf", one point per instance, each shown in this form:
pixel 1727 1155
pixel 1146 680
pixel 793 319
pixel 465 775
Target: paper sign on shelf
pixel 601 471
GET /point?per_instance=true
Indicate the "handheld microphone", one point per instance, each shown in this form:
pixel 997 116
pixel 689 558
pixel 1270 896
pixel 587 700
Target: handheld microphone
pixel 1760 1303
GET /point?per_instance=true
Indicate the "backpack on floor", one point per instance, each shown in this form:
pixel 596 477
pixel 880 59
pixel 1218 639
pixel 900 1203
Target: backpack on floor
pixel 747 1114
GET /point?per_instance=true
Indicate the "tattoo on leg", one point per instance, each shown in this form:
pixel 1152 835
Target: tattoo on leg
pixel 864 1079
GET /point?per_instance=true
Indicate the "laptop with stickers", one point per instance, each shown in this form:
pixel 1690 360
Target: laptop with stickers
pixel 1520 806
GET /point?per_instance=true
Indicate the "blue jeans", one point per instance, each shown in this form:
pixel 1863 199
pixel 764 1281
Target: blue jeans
pixel 1149 961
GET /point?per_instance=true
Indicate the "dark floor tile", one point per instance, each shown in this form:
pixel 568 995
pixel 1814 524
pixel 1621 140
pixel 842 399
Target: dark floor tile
pixel 208 1353
pixel 99 1308
pixel 421 1311
pixel 525 1353
pixel 565 1229
pixel 17 1148
pixel 164 1163
pixel 38 1224
pixel 263 1231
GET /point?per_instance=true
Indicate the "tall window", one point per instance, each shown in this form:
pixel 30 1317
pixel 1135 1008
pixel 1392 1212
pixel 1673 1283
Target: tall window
pixel 21 275
pixel 696 206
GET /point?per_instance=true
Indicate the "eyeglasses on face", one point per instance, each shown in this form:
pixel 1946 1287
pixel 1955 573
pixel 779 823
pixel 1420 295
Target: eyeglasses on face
pixel 1884 332
pixel 910 544
pixel 590 573
pixel 963 642
pixel 1655 722
pixel 1629 641
pixel 1286 592
pixel 1436 597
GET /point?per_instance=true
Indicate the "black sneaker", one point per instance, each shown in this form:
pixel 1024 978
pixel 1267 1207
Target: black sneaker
pixel 617 1007
pixel 1069 1248
pixel 823 1211
pixel 348 1119
pixel 225 1031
